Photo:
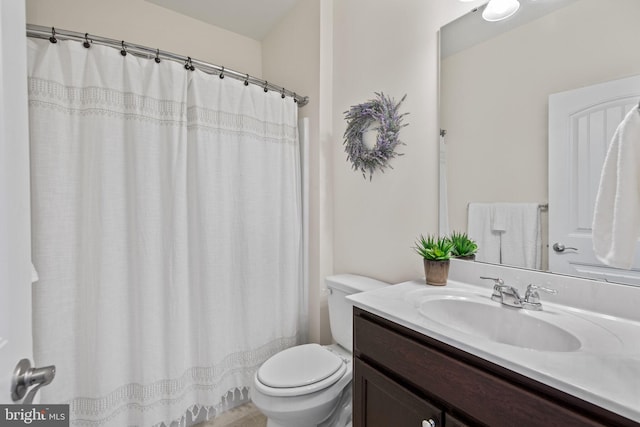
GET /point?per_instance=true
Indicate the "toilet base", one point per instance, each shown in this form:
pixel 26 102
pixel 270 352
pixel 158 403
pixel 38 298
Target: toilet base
pixel 340 417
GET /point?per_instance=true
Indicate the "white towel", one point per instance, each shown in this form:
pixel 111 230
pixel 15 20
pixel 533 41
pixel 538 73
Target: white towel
pixel 506 233
pixel 34 274
pixel 520 240
pixel 616 219
pixel 479 228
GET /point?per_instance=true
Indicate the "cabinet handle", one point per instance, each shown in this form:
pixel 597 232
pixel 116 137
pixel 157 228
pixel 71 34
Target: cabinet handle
pixel 428 423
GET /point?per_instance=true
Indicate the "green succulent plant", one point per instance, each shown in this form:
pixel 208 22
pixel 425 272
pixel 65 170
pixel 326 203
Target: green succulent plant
pixel 434 248
pixel 462 244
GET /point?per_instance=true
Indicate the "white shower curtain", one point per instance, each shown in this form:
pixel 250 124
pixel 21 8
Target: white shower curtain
pixel 166 231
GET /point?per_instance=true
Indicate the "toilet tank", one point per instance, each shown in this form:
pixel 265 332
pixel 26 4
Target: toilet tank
pixel 340 309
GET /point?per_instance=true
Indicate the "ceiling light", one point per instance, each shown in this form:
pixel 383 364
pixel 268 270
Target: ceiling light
pixel 497 10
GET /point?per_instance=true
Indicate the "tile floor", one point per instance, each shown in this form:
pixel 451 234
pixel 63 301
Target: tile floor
pixel 243 416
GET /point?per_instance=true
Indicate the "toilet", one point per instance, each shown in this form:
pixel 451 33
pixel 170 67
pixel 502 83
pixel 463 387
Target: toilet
pixel 310 385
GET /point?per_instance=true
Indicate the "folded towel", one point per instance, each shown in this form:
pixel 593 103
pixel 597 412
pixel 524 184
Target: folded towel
pixel 616 219
pixel 521 240
pixel 500 219
pixel 506 233
pixel 479 228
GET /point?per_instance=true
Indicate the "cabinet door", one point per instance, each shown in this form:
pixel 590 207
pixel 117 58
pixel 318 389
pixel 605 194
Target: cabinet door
pixel 381 402
pixel 453 422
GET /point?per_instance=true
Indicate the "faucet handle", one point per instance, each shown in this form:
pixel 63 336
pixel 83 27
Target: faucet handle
pixel 532 296
pixel 498 284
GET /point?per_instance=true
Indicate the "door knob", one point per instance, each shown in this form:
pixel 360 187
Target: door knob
pixel 428 423
pixel 24 376
pixel 559 247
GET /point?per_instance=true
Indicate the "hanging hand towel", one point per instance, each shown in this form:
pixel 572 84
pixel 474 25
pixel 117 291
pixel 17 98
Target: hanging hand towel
pixel 520 241
pixel 479 228
pixel 34 274
pixel 616 219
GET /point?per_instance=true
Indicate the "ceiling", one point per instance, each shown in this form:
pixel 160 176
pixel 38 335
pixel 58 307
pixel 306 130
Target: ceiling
pixel 471 29
pixel 251 18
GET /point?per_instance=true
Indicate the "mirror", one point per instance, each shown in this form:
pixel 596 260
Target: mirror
pixel 495 83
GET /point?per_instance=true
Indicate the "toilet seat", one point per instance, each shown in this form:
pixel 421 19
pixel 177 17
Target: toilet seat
pixel 299 370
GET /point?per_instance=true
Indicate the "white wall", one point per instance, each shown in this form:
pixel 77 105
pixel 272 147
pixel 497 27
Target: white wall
pixel 364 46
pixel 147 24
pixel 388 46
pixel 292 55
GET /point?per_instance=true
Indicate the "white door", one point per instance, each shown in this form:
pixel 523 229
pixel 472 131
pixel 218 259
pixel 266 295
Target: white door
pixel 581 125
pixel 15 239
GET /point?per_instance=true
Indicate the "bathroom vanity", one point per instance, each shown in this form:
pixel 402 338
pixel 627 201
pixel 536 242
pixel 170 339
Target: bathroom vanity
pixel 403 378
pixel 414 366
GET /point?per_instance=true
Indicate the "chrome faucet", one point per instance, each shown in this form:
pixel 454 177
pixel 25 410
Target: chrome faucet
pixel 532 297
pixel 508 295
pixel 505 294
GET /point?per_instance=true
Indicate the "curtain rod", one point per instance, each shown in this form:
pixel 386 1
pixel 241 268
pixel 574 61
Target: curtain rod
pixel 53 34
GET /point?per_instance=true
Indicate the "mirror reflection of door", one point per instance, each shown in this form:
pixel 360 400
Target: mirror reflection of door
pixel 581 125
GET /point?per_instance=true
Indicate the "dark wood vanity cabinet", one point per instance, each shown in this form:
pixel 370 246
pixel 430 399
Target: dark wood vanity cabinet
pixel 405 379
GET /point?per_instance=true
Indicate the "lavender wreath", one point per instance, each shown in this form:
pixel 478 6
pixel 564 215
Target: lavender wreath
pixel 384 111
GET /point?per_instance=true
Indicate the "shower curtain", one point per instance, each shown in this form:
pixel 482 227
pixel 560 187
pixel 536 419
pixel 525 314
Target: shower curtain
pixel 166 232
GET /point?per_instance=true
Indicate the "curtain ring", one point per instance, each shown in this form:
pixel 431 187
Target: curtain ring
pixel 246 80
pixel 188 65
pixel 295 97
pixel 265 86
pixel 86 41
pixel 157 59
pixel 282 96
pixel 53 38
pixel 222 73
pixel 123 52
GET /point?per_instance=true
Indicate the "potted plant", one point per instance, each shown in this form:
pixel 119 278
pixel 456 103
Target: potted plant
pixel 463 246
pixel 436 253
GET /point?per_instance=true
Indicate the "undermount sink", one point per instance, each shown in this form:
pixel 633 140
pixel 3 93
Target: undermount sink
pixel 484 318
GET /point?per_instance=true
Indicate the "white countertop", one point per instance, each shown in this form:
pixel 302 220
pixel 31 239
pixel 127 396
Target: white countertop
pixel 604 371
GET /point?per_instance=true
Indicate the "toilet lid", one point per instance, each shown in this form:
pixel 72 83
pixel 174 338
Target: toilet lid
pixel 299 366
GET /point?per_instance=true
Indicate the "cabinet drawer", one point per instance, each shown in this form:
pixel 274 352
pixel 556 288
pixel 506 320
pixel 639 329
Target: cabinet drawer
pixel 481 395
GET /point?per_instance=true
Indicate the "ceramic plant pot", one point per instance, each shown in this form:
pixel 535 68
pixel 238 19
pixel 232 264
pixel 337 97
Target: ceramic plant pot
pixel 436 272
pixel 471 257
